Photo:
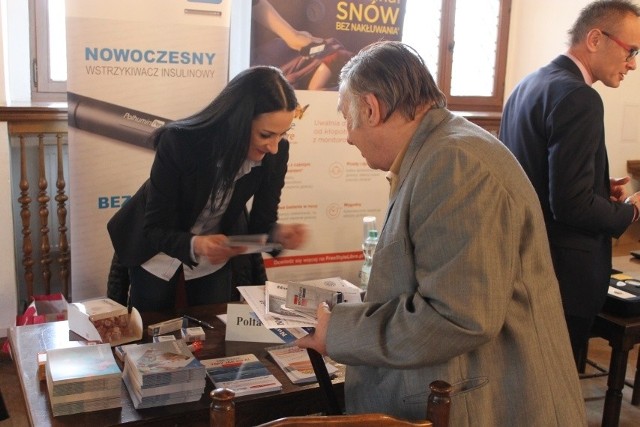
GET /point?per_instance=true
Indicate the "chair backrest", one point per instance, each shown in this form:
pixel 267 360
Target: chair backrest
pixel 438 408
pixel 362 420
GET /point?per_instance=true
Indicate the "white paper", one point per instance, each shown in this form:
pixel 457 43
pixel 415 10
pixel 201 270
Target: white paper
pixel 255 297
pixel 620 293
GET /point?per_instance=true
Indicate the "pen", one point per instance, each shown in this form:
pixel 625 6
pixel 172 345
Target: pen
pixel 198 321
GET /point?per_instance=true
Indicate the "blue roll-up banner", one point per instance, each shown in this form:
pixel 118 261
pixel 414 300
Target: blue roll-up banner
pixel 132 65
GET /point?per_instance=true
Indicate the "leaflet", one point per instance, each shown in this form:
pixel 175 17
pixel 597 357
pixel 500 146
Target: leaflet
pixel 268 301
pixel 255 243
pixel 255 297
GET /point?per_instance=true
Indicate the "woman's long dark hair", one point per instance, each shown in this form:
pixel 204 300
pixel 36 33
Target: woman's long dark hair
pixel 226 121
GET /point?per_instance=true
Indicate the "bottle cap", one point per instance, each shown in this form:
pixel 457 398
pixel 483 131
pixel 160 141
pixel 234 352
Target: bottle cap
pixel 369 219
pixel 368 223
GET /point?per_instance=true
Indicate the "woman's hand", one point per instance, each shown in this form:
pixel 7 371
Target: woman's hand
pixel 215 248
pixel 291 236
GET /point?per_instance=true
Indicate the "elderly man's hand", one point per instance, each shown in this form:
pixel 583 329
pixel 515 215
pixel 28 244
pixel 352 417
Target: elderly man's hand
pixel 317 340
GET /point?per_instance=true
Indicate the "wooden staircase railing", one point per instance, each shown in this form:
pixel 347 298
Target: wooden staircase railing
pixel 42 127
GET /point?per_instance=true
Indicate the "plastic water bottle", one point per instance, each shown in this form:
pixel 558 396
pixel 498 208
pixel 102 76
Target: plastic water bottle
pixel 368 224
pixel 368 249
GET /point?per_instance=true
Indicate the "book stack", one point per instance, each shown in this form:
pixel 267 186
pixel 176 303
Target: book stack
pixel 244 374
pixel 82 379
pixel 162 373
pixel 295 362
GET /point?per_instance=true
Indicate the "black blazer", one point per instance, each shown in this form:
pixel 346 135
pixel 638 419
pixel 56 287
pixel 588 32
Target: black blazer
pixel 159 216
pixel 553 122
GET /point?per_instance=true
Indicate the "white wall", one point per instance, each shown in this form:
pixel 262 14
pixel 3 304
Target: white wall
pixel 8 293
pixel 538 33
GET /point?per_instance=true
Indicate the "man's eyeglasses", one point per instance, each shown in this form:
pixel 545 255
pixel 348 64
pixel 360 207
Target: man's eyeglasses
pixel 632 52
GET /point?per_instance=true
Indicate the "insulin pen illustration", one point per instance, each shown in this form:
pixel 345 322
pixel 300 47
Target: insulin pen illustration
pixel 111 120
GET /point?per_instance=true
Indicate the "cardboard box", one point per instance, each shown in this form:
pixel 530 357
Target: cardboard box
pixel 44 309
pixel 165 327
pixel 104 320
pixel 193 334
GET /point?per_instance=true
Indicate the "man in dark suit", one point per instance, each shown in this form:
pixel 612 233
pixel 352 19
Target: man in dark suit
pixel 553 124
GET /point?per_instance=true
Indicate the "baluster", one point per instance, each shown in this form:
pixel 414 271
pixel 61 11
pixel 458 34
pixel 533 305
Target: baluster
pixel 61 198
pixel 222 410
pixel 43 200
pixel 25 215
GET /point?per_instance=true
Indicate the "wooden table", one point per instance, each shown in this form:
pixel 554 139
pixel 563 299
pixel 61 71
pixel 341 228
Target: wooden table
pixel 27 341
pixel 622 333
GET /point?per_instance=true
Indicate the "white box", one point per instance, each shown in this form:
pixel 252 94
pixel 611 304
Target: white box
pixel 104 320
pixel 195 333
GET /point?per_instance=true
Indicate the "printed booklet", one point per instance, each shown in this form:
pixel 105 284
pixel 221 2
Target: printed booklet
pixel 244 374
pixel 295 362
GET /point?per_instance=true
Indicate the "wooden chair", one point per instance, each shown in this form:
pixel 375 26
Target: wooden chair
pixel 438 406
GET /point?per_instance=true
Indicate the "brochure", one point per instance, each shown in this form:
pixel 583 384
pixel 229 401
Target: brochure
pixel 244 374
pixel 295 362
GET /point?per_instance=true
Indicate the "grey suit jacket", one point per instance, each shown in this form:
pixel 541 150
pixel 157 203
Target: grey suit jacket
pixel 462 289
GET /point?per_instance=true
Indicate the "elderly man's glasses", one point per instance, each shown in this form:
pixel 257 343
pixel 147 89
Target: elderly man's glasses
pixel 632 52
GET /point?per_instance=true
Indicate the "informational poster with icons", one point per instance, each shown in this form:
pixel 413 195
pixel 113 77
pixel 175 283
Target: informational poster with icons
pixel 329 185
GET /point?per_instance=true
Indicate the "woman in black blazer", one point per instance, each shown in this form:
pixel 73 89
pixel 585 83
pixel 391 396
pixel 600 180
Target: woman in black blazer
pixel 206 168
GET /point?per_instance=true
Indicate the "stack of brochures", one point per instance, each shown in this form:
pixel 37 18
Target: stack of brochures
pixel 295 362
pixel 162 373
pixel 244 374
pixel 272 303
pixel 82 379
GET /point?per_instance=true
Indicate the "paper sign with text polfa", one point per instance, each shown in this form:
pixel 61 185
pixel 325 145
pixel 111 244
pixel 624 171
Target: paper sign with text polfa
pixel 243 325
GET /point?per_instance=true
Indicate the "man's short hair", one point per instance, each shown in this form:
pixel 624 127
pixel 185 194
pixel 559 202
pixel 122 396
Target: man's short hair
pixel 603 14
